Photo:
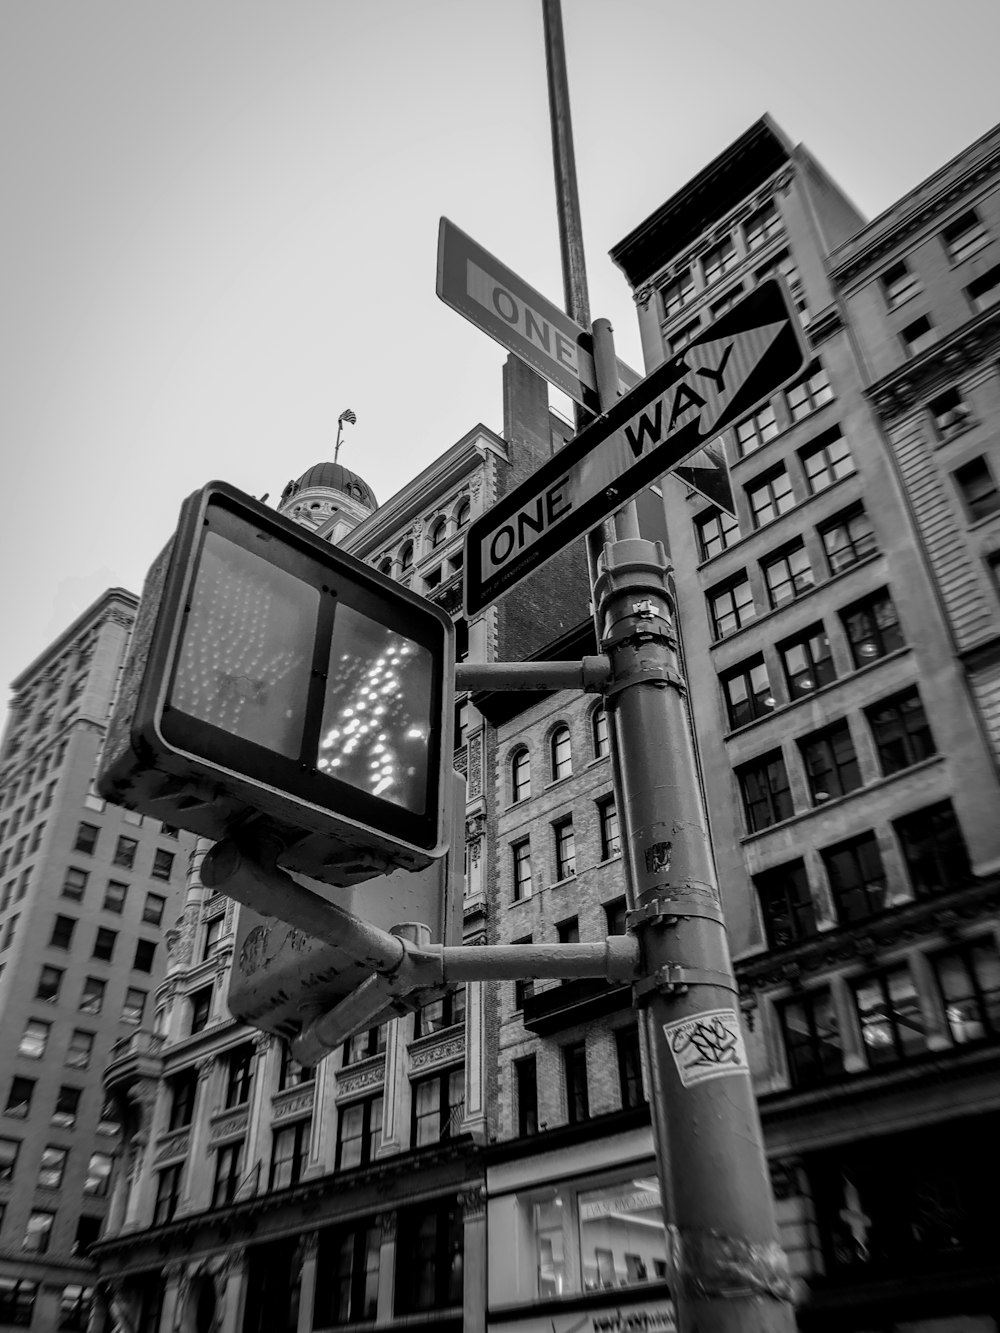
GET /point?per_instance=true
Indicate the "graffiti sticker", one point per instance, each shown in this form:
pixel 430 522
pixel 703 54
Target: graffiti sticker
pixel 707 1046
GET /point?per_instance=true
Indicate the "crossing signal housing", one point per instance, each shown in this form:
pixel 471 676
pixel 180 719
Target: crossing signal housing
pixel 273 677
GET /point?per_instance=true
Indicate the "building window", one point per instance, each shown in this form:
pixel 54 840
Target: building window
pixel 347 1270
pixel 747 693
pixel 812 1039
pixel 950 414
pixel 9 1149
pixel 683 336
pixel 770 497
pixel 213 937
pixel 568 931
pixel 985 291
pixel 599 733
pixel 62 932
pixel 719 260
pixel 463 513
pixel 787 575
pixel 918 336
pixel 899 283
pixel 565 846
pixel 239 1076
pixel 786 904
pixel 114 896
pixel 104 944
pixel 436 1015
pixel 168 1193
pixel 857 878
pixel 731 298
pixel 125 852
pixel 19 1098
pixel 978 488
pixel 38 1232
pixel 289 1147
pixel 715 530
pixel 34 1039
pixel 847 539
pixel 52 1167
pixel 826 461
pixel 762 226
pixel 135 1004
pixel 74 1307
pixel 607 816
pixel 67 1107
pixel 629 1068
pixel 933 848
pixel 74 883
pixel 86 838
pixel 98 1174
pixel 429 1272
pixel 359 1132
pixel 526 1095
pixel 561 753
pixel 520 776
pixel 968 977
pixel 49 982
pixel 292 1074
pixel 88 1230
pixel 163 864
pixel 892 1026
pixel 616 916
pixel 152 910
pixel 439 532
pixel 437 1108
pixel 365 1045
pixel 461 725
pixel 677 294
pixel 183 1089
pixel 731 607
pixel 830 762
pixel 964 236
pixel 92 995
pixel 145 951
pixel 766 796
pixel 524 989
pixel 81 1044
pixel 756 430
pixel 227 1174
pixel 521 856
pixel 901 731
pixel 872 628
pixel 575 1073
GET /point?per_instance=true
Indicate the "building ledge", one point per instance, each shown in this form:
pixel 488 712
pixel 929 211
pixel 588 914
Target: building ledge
pixel 137 1056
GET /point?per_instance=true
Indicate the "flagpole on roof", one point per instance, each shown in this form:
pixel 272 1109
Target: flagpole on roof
pixel 346 415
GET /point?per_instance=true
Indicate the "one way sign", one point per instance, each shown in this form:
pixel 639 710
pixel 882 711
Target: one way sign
pixel 733 365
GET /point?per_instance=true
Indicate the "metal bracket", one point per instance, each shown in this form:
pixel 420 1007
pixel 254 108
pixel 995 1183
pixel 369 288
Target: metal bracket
pixel 643 675
pixel 668 911
pixel 650 626
pixel 675 980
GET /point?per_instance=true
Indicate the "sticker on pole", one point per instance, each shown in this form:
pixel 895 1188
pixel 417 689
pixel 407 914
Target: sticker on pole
pixel 707 1045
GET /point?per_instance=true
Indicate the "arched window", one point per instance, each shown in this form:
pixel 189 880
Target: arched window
pixel 385 566
pixel 602 743
pixel 439 532
pixel 462 516
pixel 562 753
pixel 520 776
pixel 406 557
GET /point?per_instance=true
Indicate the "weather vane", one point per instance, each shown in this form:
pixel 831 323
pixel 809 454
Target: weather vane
pixel 346 415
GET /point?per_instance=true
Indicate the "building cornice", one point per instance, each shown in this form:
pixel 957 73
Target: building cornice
pixel 919 378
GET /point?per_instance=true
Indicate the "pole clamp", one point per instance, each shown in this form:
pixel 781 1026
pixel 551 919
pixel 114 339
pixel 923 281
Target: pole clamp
pixel 669 911
pixel 646 675
pixel 642 628
pixel 673 979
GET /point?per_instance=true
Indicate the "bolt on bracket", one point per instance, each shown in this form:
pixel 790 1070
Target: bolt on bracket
pixel 669 911
pixel 672 979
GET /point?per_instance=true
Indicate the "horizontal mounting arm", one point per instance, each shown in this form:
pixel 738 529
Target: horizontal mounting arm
pixel 590 674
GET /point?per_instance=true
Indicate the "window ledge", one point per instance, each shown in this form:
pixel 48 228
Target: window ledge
pixel 561 883
pixel 557 782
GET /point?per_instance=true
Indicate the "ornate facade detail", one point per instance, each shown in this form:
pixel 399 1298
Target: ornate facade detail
pixel 309 1244
pixel 234 1262
pixel 297 1102
pixel 205 1067
pixel 475 774
pixel 115 617
pixel 473 1203
pixel 228 1126
pixel 475 826
pixel 438 1053
pixel 262 1043
pixel 173 1145
pixel 786 1178
pixel 387 1225
pixel 363 1079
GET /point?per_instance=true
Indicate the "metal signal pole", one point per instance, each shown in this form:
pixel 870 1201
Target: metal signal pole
pixel 725 1265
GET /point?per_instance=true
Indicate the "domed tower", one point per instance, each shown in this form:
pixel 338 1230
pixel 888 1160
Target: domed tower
pixel 329 499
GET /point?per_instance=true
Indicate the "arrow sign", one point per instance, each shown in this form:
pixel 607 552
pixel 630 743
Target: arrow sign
pixel 721 376
pixel 496 300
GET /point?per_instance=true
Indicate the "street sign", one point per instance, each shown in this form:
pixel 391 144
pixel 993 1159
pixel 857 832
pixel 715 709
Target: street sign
pixel 707 472
pixel 724 373
pixel 496 300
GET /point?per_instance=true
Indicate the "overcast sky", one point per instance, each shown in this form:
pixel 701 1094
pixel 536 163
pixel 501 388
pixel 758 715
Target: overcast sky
pixel 220 219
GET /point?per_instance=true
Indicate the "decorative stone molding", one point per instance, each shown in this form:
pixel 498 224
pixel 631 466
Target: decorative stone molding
pixel 362 1079
pixel 173 1145
pixel 234 1262
pixel 262 1043
pixel 229 1126
pixel 475 776
pixel 309 1244
pixel 473 1203
pixel 297 1101
pixel 786 1178
pixel 438 1052
pixel 475 826
pixel 387 1225
pixel 205 1067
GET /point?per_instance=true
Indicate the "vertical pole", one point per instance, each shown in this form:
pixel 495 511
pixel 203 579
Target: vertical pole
pixel 726 1268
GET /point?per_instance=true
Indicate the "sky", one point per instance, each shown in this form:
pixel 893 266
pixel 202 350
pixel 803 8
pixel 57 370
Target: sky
pixel 220 223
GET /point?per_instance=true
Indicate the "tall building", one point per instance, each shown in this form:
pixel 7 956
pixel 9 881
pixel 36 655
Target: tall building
pixel 845 629
pixel 86 892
